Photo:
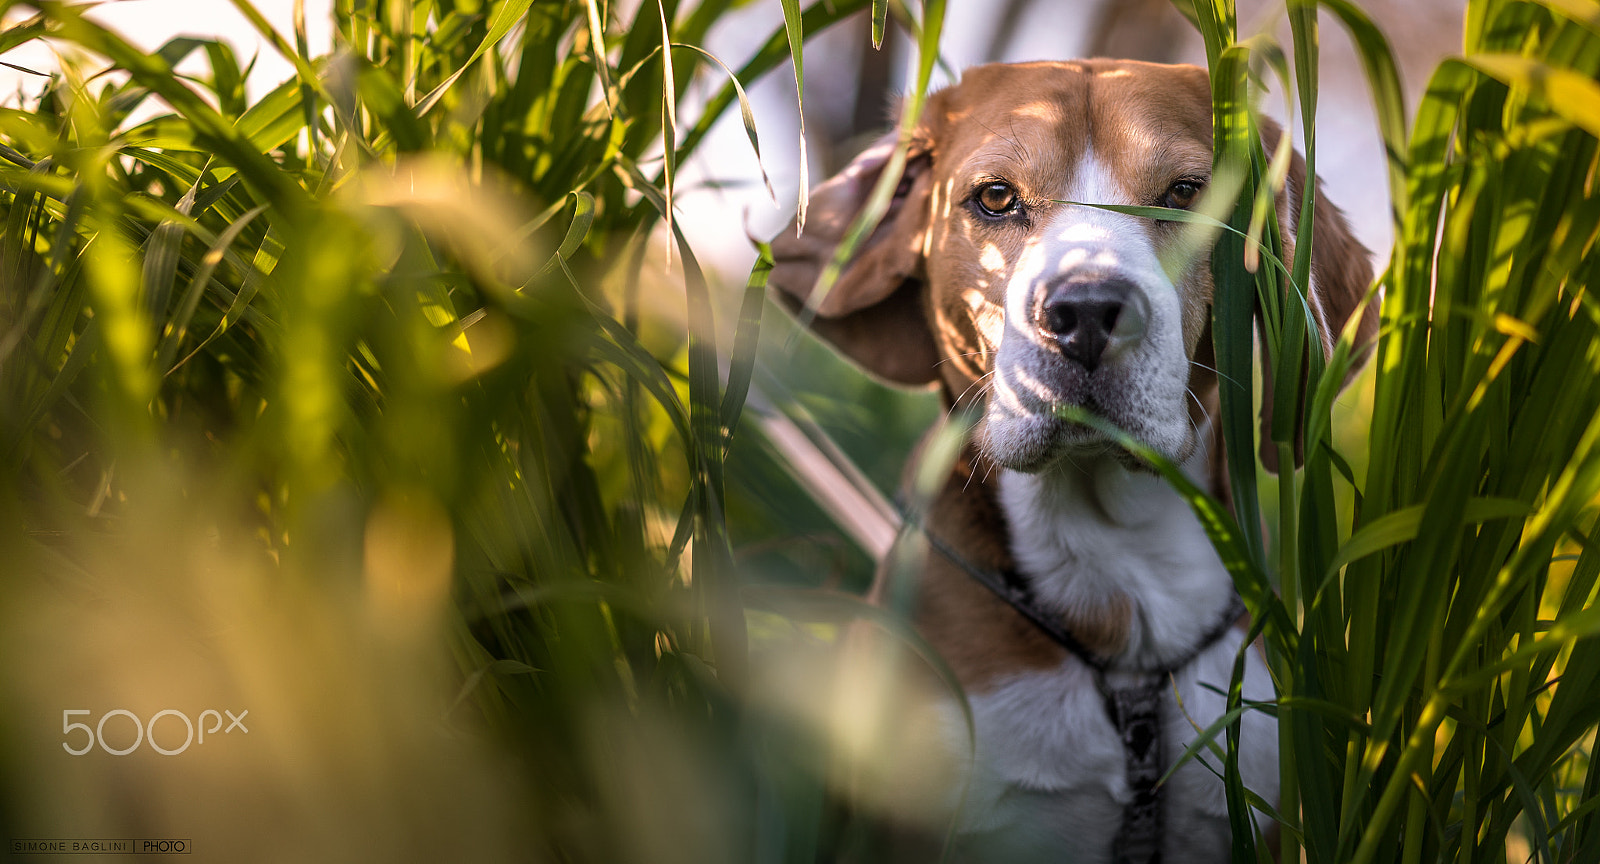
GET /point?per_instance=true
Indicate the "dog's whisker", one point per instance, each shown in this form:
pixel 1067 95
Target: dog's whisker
pixel 1199 404
pixel 982 380
pixel 1213 369
pixel 954 357
pixel 1193 425
pixel 985 383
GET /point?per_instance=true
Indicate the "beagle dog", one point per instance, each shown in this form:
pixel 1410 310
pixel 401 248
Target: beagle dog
pixel 983 282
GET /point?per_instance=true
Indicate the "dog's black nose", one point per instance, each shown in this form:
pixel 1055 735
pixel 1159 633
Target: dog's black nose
pixel 1080 316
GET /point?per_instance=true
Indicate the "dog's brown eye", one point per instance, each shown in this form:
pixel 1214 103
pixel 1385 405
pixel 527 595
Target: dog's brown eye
pixel 1182 194
pixel 997 199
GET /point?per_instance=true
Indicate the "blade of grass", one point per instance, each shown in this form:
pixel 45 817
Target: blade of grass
pixel 507 15
pixel 792 25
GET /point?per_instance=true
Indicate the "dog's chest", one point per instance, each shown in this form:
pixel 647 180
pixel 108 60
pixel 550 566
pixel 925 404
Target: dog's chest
pixel 1108 542
pixel 1050 779
pixel 1051 770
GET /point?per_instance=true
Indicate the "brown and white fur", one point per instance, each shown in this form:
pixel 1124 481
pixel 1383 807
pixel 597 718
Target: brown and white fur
pixel 987 308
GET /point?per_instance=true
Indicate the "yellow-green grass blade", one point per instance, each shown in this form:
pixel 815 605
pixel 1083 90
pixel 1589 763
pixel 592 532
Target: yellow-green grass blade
pixel 1233 308
pixel 669 124
pixel 211 128
pixel 1383 80
pixel 178 326
pixel 1401 526
pixel 792 26
pixel 1568 93
pixel 597 50
pixel 745 114
pixel 583 215
pixel 877 203
pixel 774 51
pixel 742 361
pixel 302 66
pixel 507 15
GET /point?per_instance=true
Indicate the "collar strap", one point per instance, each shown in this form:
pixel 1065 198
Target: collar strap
pixel 1012 587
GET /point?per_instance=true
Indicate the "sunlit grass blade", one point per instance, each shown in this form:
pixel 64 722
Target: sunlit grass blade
pixel 167 352
pixel 597 50
pixel 773 52
pixel 210 126
pixel 877 204
pixel 745 114
pixel 507 14
pixel 1402 525
pixel 1570 94
pixel 1378 62
pixel 582 220
pixel 793 27
pixel 742 361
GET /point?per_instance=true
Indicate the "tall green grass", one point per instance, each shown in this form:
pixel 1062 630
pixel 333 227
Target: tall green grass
pixel 352 405
pixel 1436 692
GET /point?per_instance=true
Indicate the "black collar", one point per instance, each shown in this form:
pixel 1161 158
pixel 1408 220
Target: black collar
pixel 1012 587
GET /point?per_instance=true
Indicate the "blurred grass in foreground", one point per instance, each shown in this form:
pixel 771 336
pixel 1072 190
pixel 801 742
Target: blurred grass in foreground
pixel 346 407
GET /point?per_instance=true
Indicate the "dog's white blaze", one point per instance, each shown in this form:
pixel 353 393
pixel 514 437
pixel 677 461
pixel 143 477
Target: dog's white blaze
pixel 1147 366
pixel 1079 237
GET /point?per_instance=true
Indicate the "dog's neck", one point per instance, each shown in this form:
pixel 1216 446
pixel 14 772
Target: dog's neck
pixel 1119 556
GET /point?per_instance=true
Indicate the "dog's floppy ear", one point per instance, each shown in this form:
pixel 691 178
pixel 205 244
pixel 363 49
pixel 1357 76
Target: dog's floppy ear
pixel 1341 273
pixel 875 313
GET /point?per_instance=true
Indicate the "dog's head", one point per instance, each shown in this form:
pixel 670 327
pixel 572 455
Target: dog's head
pixel 979 280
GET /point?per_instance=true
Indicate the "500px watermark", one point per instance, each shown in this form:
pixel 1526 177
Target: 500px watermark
pixel 145 732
